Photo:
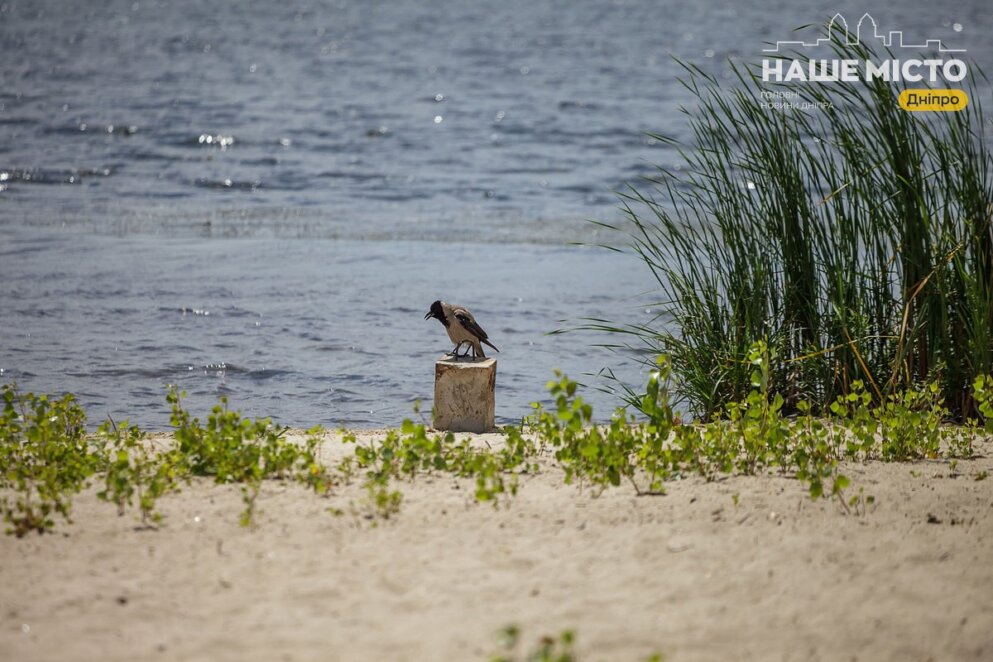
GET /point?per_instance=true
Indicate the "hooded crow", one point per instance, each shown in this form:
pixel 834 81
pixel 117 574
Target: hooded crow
pixel 461 327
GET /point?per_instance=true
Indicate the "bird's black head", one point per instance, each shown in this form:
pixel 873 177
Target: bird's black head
pixel 437 312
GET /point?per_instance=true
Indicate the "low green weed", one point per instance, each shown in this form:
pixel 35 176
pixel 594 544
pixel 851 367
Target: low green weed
pixel 134 470
pixel 410 451
pixel 983 395
pixel 910 424
pixel 603 456
pixel 813 455
pixel 45 459
pixel 232 449
pixel 381 501
pixel 547 649
pixel 860 423
pixel 46 456
pixel 757 420
pixel 751 435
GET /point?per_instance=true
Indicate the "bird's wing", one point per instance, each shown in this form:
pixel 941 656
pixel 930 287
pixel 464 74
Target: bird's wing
pixel 468 322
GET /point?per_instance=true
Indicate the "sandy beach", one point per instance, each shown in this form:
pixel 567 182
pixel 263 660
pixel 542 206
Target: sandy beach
pixel 692 575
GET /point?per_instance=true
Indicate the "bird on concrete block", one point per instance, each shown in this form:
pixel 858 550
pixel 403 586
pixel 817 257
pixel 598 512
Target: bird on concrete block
pixel 462 328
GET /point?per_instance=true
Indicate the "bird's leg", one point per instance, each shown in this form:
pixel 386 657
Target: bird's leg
pixel 455 352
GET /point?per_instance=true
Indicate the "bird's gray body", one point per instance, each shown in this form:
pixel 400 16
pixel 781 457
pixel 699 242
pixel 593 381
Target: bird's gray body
pixel 461 326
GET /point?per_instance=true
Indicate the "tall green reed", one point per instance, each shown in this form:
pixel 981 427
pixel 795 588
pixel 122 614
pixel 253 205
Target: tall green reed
pixel 855 237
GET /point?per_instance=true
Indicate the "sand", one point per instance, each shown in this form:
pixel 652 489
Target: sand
pixel 691 575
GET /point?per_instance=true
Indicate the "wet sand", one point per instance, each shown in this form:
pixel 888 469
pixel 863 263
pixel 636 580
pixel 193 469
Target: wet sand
pixel 691 575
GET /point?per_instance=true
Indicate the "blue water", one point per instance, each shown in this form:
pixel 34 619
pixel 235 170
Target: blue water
pixel 307 331
pixel 314 174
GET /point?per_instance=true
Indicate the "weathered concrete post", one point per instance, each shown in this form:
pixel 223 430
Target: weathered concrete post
pixel 464 394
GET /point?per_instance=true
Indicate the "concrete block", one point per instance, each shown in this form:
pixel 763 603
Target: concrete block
pixel 464 394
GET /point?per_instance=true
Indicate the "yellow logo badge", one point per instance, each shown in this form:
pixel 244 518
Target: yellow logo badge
pixel 933 100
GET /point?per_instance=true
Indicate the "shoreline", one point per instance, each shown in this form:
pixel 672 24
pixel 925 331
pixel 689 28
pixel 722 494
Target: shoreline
pixel 745 567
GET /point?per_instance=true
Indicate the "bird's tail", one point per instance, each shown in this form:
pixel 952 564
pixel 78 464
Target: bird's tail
pixel 491 345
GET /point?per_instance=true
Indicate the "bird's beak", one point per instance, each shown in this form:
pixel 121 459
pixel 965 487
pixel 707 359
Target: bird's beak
pixel 429 315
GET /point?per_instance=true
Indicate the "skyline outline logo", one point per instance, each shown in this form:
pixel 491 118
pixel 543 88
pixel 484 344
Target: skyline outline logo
pixel 838 21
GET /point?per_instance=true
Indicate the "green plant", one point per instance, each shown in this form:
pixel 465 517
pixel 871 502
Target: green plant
pixel 753 437
pixel 547 649
pixel 381 501
pixel 982 392
pixel 45 458
pixel 756 419
pixel 584 451
pixel 862 425
pixel 232 449
pixel 855 237
pixel 135 470
pixel 655 456
pixel 861 501
pixel 410 451
pixel 910 424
